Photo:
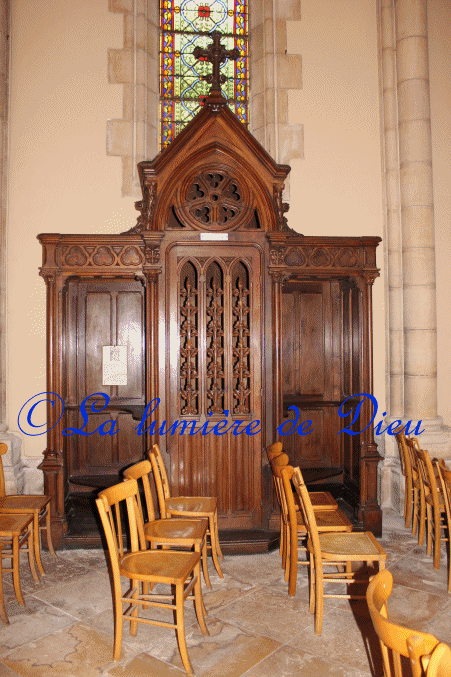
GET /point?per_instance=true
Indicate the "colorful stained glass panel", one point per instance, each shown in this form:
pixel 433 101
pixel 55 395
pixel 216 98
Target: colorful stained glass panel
pixel 184 25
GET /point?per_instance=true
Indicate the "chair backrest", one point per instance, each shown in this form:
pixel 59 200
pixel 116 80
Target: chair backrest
pixel 283 474
pixel 140 472
pixel 393 637
pixel 112 516
pixel 161 478
pixel 277 463
pixel 3 450
pixel 445 480
pixel 307 513
pixel 428 476
pixel 404 455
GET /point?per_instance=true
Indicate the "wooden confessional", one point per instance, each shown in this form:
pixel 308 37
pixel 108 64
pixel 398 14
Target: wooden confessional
pixel 229 317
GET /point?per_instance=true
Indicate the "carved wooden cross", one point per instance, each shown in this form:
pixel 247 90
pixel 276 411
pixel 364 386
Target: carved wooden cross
pixel 216 54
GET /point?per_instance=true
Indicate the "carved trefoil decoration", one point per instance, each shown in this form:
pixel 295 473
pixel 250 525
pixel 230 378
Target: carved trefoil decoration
pixel 189 334
pixel 241 341
pixel 215 341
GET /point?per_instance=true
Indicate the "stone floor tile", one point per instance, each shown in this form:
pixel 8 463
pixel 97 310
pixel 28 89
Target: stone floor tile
pixel 56 569
pixel 415 570
pixel 81 596
pixel 28 624
pixel 347 639
pixel 88 559
pixel 77 651
pixel 289 661
pixel 143 666
pixel 412 607
pixel 5 671
pixel 267 613
pixel 227 652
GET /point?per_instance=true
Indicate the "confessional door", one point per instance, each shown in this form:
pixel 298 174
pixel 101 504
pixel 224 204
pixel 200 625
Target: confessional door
pixel 101 419
pixel 214 371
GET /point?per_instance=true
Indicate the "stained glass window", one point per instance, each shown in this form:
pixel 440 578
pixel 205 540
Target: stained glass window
pixel 185 24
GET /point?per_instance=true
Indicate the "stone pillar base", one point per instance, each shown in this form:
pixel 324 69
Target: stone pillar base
pixel 12 462
pixel 30 479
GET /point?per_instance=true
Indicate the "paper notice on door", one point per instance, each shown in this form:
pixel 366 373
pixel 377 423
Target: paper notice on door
pixel 114 366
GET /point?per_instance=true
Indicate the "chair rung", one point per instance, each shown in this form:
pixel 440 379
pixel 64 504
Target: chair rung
pixel 126 616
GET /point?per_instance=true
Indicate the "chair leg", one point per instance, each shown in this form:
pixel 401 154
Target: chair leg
pixel 312 585
pixel 36 543
pixel 214 545
pixel 293 569
pixel 118 623
pixel 430 529
pixel 3 615
pixel 319 600
pixel 199 602
pixel 135 611
pixel 30 546
pixel 180 622
pixel 48 531
pixel 408 505
pixel 16 572
pixel 437 538
pixel 205 564
pixel 415 511
pixel 218 545
pixel 422 519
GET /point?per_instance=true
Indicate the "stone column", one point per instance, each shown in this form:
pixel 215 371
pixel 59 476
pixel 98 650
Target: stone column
pixel 417 213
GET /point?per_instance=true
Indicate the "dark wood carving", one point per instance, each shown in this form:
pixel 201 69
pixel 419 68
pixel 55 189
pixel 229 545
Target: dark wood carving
pixel 239 318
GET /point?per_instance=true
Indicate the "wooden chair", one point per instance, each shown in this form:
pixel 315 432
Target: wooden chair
pixel 295 527
pixel 36 505
pixel 16 533
pixel 445 480
pixel 435 507
pixel 333 549
pixel 321 500
pixel 406 467
pixel 396 640
pixel 178 569
pixel 3 614
pixel 186 506
pixel 191 533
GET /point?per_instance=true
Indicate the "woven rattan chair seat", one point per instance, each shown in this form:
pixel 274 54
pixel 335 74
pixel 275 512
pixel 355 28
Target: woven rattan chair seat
pixel 179 529
pixel 353 544
pixel 188 504
pixel 164 566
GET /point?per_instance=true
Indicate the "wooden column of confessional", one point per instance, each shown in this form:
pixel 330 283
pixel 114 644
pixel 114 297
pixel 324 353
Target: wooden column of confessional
pixel 227 315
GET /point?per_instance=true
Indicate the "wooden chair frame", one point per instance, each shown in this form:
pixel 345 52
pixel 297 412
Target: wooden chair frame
pixel 445 480
pixel 435 508
pixel 410 492
pixel 396 640
pixel 180 570
pixel 186 506
pixel 182 533
pixel 332 549
pixel 30 504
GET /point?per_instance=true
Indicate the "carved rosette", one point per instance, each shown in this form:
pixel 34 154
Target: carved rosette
pixel 101 256
pixel 214 199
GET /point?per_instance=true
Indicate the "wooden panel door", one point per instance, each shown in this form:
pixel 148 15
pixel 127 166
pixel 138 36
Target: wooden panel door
pixel 103 313
pixel 213 315
pixel 311 354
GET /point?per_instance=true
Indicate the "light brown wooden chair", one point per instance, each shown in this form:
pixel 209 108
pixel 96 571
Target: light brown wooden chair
pixel 16 533
pixel 321 500
pixel 445 480
pixel 35 504
pixel 333 549
pixel 3 614
pixel 178 569
pixel 396 641
pixel 295 527
pixel 186 506
pixel 406 468
pixel 435 507
pixel 183 532
pixel 419 501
